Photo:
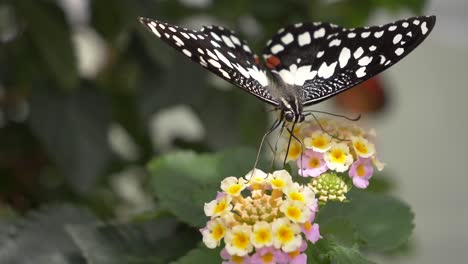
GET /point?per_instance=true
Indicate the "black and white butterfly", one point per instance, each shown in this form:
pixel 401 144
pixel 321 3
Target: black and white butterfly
pixel 305 63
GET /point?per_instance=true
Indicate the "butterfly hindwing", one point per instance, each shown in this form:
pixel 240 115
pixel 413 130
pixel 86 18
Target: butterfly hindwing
pixel 219 50
pixel 323 59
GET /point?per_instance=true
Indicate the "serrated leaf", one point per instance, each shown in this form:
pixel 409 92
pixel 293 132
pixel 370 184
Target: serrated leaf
pixel 200 255
pixel 23 240
pixel 73 128
pixel 158 241
pixel 184 181
pixel 382 222
pixel 48 29
pixel 340 254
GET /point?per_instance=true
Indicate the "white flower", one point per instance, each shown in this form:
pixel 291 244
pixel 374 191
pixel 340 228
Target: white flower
pixel 280 179
pixel 213 233
pixel 233 186
pixel 318 141
pixel 363 147
pixel 296 211
pixel 286 235
pixel 218 207
pixel 262 235
pixel 338 157
pixel 237 240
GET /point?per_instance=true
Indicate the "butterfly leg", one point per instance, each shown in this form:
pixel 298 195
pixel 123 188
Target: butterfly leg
pixel 298 140
pixel 272 128
pixel 276 145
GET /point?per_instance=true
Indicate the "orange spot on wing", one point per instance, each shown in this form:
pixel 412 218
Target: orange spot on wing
pixel 272 62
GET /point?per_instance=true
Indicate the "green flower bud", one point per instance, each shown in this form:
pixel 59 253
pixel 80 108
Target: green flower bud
pixel 329 187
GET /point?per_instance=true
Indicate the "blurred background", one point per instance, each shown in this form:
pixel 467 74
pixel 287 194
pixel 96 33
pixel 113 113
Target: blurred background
pixel 88 97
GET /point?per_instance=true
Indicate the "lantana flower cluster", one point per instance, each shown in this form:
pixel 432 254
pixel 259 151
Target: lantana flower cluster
pixel 333 147
pixel 262 218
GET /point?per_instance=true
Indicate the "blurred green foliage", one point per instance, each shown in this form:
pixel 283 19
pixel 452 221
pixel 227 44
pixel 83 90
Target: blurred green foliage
pixel 55 117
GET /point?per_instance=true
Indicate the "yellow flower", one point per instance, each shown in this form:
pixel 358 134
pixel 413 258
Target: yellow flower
pixel 237 240
pixel 213 233
pixel 296 192
pixel 296 211
pixel 318 141
pixel 286 235
pixel 280 179
pixel 218 207
pixel 262 235
pixel 233 186
pixel 363 147
pixel 295 150
pixel 338 157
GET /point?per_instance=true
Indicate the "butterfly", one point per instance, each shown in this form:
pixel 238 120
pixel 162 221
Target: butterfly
pixel 304 63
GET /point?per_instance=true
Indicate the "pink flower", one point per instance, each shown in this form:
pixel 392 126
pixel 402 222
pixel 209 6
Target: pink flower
pixel 268 255
pixel 361 171
pixel 228 259
pixel 298 256
pixel 311 231
pixel 312 164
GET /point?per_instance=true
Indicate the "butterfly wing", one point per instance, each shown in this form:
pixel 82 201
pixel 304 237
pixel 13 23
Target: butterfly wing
pixel 220 51
pixel 323 59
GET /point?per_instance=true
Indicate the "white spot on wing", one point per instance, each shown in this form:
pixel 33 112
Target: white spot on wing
pixel 424 28
pixel 382 59
pixel 185 35
pixel 235 40
pixel 378 34
pixel 365 34
pixel 399 51
pixel 215 44
pixel 372 48
pixel 288 38
pixel 215 36
pixel 223 58
pixel 155 31
pixel 361 72
pixel 351 35
pixel 258 75
pixel 172 29
pixel 397 38
pixel 225 74
pixel 392 28
pixel 319 33
pixel 345 55
pixel 228 42
pixel 358 53
pixel 320 54
pixel 335 42
pixel 242 70
pixel 409 34
pixel 277 48
pixel 214 63
pixel 211 54
pixel 186 52
pixel 416 22
pixel 326 71
pixel 304 39
pixel 405 24
pixel 200 51
pixel 364 61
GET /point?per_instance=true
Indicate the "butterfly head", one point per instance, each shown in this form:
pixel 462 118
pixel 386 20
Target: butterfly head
pixel 292 110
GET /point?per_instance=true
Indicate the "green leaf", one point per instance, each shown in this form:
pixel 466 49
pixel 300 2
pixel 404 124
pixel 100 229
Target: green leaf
pixel 383 223
pixel 158 241
pixel 200 255
pixel 340 254
pixel 49 31
pixel 184 181
pixel 73 128
pixel 41 236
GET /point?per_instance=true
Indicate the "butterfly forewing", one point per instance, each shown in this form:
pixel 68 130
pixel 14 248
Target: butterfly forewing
pixel 322 59
pixel 220 51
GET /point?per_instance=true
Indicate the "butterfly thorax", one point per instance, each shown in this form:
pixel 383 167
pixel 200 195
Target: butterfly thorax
pixel 290 102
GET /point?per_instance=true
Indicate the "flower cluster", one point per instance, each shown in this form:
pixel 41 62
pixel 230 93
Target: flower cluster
pixel 262 218
pixel 333 146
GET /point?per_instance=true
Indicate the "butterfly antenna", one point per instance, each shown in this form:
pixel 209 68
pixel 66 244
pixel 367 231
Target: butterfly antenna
pixel 328 113
pixel 272 128
pixel 321 127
